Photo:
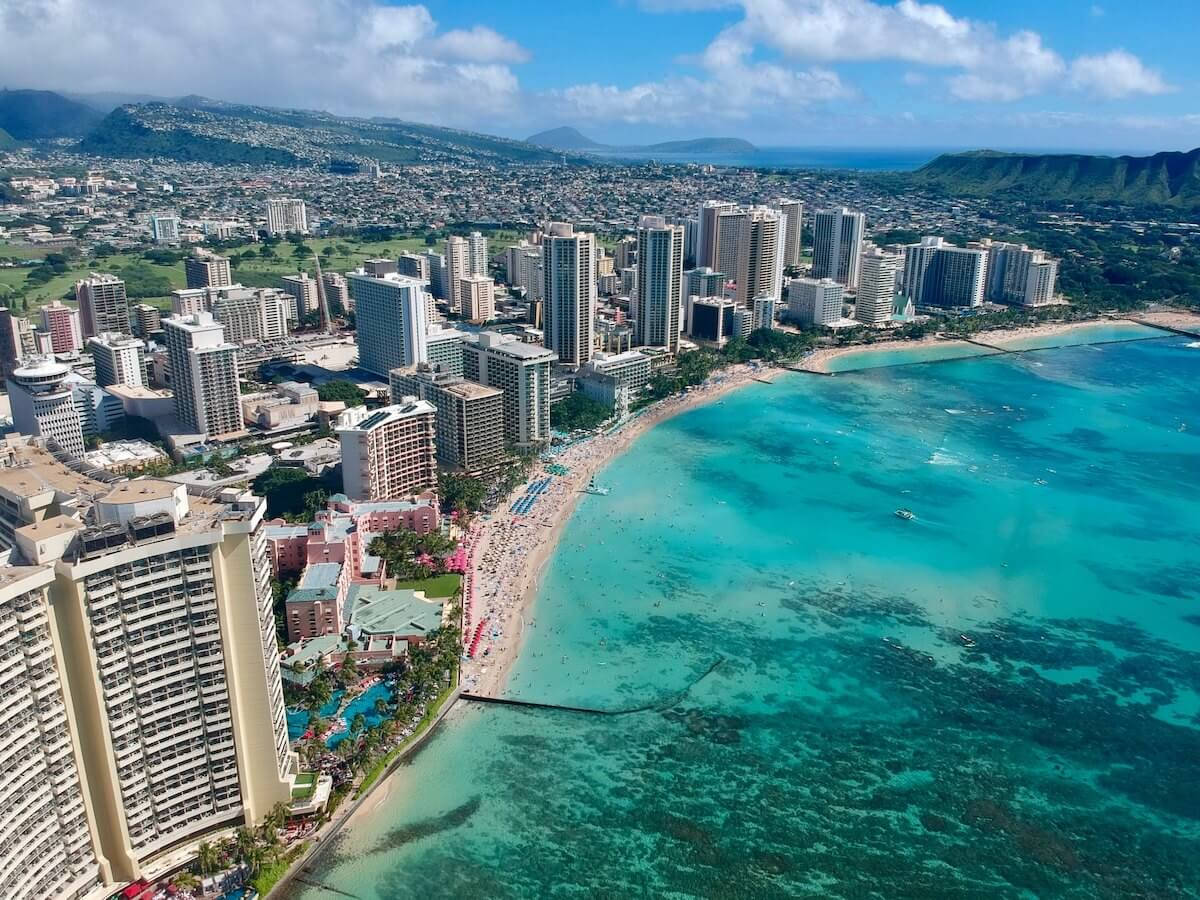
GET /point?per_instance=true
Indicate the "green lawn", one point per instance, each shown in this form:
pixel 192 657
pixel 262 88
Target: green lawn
pixel 304 786
pixel 435 588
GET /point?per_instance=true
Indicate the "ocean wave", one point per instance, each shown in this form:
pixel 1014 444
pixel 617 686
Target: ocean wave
pixel 940 457
pixel 1195 345
pixel 955 412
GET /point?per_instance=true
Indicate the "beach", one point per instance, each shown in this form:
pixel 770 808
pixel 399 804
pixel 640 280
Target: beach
pixel 1003 339
pixel 509 552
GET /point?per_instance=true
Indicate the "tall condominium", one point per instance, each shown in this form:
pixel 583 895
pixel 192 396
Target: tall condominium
pixel 759 265
pixel 712 319
pixel 707 242
pixel 704 282
pixel 477 254
pixel 837 245
pixel 469 424
pixel 11 348
pixel 164 228
pixel 792 245
pixel 337 292
pixel 207 271
pixel 380 267
pixel 522 371
pixel 204 375
pixel 151 675
pixel 186 301
pixel 730 232
pixel 569 289
pixel 1016 274
pixel 438 285
pixel 458 267
pixel 391 321
pixel 523 268
pixel 103 305
pixel 62 322
pixel 119 358
pixel 43 404
pixel 413 265
pixel 444 349
pixel 388 453
pixel 48 846
pixel 251 314
pixel 815 301
pixel 762 312
pixel 303 289
pixel 477 298
pixel 878 276
pixel 659 294
pixel 943 275
pixel 286 215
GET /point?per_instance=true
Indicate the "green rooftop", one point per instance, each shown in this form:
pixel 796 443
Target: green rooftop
pixel 378 611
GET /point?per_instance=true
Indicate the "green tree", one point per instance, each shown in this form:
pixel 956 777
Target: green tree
pixel 208 858
pixel 341 389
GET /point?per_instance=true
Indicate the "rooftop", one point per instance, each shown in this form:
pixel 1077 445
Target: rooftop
pixel 375 610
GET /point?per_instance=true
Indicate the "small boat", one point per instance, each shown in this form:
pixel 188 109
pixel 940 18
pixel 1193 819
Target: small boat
pixel 906 514
pixel 967 640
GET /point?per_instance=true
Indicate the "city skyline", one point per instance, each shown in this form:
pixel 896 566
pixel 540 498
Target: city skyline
pixel 854 73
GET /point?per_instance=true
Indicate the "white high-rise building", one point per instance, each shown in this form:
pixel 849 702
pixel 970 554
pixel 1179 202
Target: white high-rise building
pixel 731 229
pixel 879 272
pixel 286 215
pixel 569 290
pixel 659 294
pixel 436 266
pixel 43 404
pixel 522 371
pixel 759 266
pixel 120 359
pixel 391 321
pixel 204 375
pixel 707 238
pixel 815 301
pixel 477 254
pixel 916 261
pixel 208 270
pixel 303 289
pixel 251 314
pixel 837 245
pixel 1017 274
pixel 458 267
pixel 792 245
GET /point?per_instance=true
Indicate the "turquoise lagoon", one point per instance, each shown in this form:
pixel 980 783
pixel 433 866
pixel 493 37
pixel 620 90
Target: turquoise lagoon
pixel 816 698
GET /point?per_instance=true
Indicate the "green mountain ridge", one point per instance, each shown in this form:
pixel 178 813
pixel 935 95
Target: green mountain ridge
pixel 1168 178
pixel 38 115
pixel 568 138
pixel 196 128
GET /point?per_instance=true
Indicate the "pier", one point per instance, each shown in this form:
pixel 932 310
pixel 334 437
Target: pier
pixel 805 371
pixel 530 704
pixel 324 887
pixel 1171 328
pixel 991 347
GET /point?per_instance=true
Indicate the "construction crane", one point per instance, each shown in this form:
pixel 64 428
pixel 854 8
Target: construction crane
pixel 326 321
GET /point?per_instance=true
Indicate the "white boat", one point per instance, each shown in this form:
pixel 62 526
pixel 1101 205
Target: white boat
pixel 906 514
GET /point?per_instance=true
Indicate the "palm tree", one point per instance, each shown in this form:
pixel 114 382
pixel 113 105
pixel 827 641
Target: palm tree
pixel 245 845
pixel 277 816
pixel 208 858
pixel 185 881
pixel 358 723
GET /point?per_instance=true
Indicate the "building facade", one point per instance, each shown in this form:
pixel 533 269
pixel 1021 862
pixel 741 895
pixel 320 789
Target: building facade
pixel 388 453
pixel 522 372
pixel 204 376
pixel 659 292
pixel 569 289
pixel 879 275
pixel 815 301
pixel 287 215
pixel 837 245
pixel 119 358
pixel 469 423
pixel 43 404
pixel 207 271
pixel 103 306
pixel 62 322
pixel 391 321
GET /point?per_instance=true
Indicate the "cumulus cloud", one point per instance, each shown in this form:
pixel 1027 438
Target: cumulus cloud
pixel 352 56
pixel 987 65
pixel 1114 75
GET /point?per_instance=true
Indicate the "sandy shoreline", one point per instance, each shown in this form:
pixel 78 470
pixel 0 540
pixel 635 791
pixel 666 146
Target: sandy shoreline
pixel 819 360
pixel 512 551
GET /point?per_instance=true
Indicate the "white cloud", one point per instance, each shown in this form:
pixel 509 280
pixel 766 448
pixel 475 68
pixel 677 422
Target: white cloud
pixel 989 66
pixel 351 56
pixel 1114 75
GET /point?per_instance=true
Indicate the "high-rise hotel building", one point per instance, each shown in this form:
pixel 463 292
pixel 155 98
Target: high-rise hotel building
pixel 837 245
pixel 144 709
pixel 522 372
pixel 878 277
pixel 391 321
pixel 569 289
pixel 388 453
pixel 103 306
pixel 287 215
pixel 204 375
pixel 659 295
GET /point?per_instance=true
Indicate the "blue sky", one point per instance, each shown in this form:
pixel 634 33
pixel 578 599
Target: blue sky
pixel 1052 74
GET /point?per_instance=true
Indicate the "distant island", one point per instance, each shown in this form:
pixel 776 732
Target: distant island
pixel 567 138
pixel 1170 178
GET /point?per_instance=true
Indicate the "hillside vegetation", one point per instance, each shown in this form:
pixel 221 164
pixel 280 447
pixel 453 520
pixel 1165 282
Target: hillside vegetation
pixel 1171 179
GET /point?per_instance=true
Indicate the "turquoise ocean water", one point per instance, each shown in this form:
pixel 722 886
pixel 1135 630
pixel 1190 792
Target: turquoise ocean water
pixel 816 698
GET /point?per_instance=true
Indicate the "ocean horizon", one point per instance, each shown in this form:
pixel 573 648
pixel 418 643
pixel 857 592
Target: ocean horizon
pixel 809 695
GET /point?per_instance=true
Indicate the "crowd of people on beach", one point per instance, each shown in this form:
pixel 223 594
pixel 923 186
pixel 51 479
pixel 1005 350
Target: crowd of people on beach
pixel 508 550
